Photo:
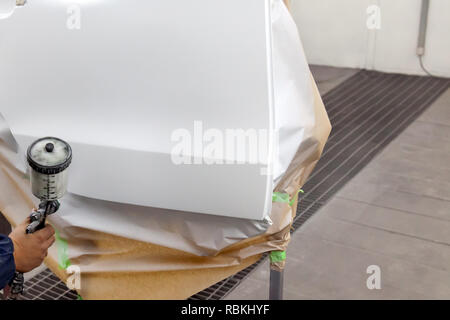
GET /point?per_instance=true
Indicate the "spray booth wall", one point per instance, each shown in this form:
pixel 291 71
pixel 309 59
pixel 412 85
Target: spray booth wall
pixel 336 33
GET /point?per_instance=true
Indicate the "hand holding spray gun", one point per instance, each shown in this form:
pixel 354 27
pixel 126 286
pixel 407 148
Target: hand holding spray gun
pixel 48 159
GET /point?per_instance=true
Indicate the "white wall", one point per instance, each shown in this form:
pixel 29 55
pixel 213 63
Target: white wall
pixel 334 32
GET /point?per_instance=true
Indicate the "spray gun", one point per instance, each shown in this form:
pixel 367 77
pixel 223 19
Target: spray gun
pixel 48 159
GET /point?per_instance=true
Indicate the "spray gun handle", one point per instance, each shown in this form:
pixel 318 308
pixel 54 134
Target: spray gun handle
pixel 38 217
pixel 37 221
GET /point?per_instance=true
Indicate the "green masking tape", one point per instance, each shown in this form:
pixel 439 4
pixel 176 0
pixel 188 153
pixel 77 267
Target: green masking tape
pixel 277 256
pixel 280 197
pixel 296 196
pixel 62 247
pixel 284 197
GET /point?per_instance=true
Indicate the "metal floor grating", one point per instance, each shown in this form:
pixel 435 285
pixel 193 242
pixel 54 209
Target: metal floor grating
pixel 367 112
pixel 47 286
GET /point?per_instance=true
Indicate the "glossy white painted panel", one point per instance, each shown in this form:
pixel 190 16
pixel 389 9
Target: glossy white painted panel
pixel 136 71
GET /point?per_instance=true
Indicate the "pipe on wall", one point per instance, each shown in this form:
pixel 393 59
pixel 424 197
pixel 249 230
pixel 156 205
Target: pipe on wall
pixel 423 27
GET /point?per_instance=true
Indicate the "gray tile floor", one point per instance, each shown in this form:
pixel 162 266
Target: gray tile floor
pixel 394 214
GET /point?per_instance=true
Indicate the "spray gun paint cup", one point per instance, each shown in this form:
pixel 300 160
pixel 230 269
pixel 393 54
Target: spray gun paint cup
pixel 49 158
